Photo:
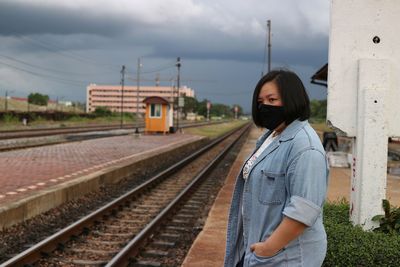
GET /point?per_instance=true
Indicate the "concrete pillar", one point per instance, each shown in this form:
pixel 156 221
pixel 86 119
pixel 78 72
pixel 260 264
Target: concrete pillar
pixel 370 148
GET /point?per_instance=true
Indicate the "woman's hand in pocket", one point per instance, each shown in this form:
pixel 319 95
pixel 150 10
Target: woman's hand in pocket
pixel 264 249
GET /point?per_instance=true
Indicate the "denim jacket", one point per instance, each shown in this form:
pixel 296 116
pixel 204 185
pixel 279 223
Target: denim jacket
pixel 289 178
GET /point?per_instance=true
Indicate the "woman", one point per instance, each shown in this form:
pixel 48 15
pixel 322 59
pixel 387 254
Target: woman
pixel 276 212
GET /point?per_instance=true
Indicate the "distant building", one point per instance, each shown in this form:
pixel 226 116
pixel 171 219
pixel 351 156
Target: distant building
pixel 190 116
pixel 109 96
pixel 65 103
pixel 22 99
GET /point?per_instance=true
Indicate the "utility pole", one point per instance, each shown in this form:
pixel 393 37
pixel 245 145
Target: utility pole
pixel 269 44
pixel 178 65
pixel 122 94
pixel 158 79
pixel 236 109
pixel 208 110
pixel 6 100
pixel 137 96
pixel 6 103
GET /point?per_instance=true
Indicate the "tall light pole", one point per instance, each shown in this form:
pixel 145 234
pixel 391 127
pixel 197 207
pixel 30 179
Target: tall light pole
pixel 27 100
pixel 172 103
pixel 267 47
pixel 6 102
pixel 178 65
pixel 58 102
pixel 269 44
pixel 137 95
pixel 122 94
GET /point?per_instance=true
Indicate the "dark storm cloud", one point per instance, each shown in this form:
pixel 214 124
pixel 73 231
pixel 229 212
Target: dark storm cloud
pixel 313 53
pixel 28 19
pixel 196 40
pixel 219 40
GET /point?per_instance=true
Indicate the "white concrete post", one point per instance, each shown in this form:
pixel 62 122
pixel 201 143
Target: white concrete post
pixel 364 94
pixel 368 184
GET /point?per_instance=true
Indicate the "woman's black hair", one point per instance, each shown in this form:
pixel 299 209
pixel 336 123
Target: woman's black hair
pixel 295 100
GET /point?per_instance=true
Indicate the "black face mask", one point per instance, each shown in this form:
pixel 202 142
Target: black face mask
pixel 271 116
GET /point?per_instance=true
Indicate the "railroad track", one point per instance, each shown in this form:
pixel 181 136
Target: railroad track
pixel 169 245
pixel 115 234
pixel 27 133
pixel 66 130
pixel 22 140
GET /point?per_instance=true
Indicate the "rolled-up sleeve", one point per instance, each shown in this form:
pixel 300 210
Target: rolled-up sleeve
pixel 307 179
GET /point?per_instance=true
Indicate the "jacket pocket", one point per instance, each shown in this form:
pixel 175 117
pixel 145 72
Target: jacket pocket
pixel 272 188
pixel 279 259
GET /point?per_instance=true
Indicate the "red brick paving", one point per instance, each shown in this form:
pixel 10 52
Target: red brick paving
pixel 23 171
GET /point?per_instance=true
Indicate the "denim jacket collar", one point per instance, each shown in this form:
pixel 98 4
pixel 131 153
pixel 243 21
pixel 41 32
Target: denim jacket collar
pixel 292 129
pixel 287 134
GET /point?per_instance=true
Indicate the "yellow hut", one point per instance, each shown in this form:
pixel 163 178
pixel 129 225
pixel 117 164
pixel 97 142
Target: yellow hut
pixel 157 118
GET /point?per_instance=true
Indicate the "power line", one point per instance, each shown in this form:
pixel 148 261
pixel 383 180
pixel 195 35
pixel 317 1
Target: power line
pixel 160 68
pixel 155 69
pixel 164 79
pixel 50 69
pixel 49 77
pixel 224 94
pixel 70 54
pixel 56 49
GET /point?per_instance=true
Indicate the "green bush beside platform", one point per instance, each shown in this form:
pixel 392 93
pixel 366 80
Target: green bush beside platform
pixel 351 246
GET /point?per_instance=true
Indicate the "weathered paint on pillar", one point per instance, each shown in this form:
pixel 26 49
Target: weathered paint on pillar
pixel 363 93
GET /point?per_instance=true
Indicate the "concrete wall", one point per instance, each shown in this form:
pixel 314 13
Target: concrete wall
pixel 362 30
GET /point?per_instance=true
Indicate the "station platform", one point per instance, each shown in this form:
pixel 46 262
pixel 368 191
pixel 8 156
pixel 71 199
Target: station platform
pixel 209 246
pixel 35 180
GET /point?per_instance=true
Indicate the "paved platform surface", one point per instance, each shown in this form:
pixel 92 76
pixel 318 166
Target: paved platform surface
pixel 10 144
pixel 209 246
pixel 22 172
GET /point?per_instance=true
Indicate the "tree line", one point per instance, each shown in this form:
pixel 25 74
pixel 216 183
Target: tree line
pixel 318 110
pixel 192 105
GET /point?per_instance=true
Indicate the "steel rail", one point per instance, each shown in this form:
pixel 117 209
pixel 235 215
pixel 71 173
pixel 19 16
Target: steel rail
pixel 72 137
pixel 56 240
pixel 62 128
pixel 18 134
pixel 133 247
pixel 55 131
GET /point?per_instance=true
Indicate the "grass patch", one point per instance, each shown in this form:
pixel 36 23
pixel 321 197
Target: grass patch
pixel 320 126
pixel 215 130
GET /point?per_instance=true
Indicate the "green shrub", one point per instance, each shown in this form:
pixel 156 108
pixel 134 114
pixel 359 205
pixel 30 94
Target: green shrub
pixel 102 112
pixel 337 212
pixel 129 116
pixel 389 222
pixel 9 118
pixel 75 118
pixel 349 245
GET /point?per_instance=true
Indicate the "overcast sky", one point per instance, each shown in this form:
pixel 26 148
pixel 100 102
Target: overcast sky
pixel 59 47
